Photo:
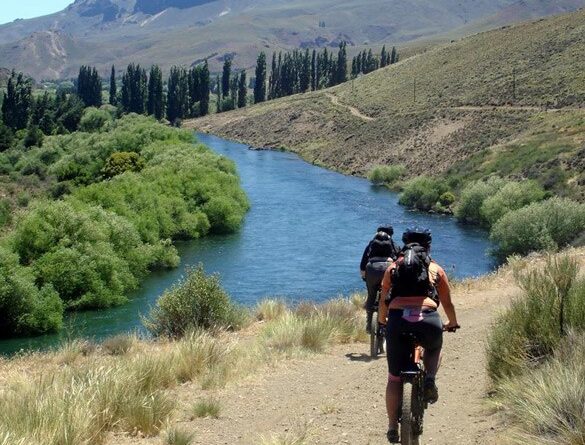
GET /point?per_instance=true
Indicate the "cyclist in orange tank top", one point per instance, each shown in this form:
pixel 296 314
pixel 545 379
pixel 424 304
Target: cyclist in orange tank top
pixel 412 289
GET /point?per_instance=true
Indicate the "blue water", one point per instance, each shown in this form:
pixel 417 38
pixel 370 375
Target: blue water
pixel 302 239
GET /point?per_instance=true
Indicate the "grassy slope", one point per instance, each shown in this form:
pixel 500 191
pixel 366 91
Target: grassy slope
pixel 460 123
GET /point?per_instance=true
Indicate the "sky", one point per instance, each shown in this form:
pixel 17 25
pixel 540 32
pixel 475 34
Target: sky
pixel 26 9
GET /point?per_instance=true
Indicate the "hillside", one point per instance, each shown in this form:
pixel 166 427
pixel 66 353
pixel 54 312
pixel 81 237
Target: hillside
pixel 503 101
pixel 102 32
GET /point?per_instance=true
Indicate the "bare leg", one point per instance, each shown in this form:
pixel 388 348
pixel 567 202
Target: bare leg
pixel 393 401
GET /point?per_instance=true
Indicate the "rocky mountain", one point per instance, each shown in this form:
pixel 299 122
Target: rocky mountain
pixel 167 32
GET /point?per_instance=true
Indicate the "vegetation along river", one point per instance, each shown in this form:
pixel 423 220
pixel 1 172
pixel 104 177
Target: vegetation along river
pixel 302 239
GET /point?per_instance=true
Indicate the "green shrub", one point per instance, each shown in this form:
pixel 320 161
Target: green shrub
pixel 512 196
pixel 4 212
pixel 423 192
pixel 527 334
pixel 547 225
pixel 447 199
pixel 473 196
pixel 90 256
pixel 24 308
pixel 94 119
pixel 386 174
pixel 197 301
pixel 121 162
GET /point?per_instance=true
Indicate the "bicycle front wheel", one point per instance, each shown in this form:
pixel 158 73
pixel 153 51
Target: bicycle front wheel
pixel 408 425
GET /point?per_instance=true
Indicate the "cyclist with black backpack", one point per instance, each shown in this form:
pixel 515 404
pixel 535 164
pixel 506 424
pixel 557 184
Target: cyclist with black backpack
pixel 377 257
pixel 413 287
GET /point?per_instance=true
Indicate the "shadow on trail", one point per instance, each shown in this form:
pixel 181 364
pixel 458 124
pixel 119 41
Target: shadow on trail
pixel 360 357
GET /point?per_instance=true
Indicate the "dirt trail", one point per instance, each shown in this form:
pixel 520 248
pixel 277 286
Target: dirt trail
pixel 337 398
pixel 352 110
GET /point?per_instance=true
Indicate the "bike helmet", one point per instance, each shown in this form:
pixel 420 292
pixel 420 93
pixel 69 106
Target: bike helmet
pixel 418 235
pixel 386 228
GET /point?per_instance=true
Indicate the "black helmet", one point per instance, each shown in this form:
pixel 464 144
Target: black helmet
pixel 386 228
pixel 418 235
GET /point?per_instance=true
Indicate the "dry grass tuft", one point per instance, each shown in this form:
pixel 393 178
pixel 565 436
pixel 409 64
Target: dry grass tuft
pixel 210 407
pixel 271 309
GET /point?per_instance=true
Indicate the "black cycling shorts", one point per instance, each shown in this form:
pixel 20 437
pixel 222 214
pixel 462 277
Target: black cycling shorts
pixel 428 332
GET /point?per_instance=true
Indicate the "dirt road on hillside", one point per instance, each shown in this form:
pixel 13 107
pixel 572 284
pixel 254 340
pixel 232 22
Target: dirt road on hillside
pixel 337 398
pixel 354 111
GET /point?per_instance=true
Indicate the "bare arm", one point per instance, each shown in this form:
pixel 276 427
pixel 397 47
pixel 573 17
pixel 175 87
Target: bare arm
pixel 445 297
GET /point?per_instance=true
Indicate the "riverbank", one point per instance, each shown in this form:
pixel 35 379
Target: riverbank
pixel 261 382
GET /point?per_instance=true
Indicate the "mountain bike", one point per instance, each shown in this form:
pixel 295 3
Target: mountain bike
pixel 413 400
pixel 377 336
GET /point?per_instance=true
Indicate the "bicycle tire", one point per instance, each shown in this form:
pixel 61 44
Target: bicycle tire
pixel 374 337
pixel 408 421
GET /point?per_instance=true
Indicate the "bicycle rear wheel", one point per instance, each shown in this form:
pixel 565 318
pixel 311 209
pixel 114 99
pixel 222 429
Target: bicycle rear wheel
pixel 408 426
pixel 374 337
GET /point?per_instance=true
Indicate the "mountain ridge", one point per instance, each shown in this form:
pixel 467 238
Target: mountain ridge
pixel 168 32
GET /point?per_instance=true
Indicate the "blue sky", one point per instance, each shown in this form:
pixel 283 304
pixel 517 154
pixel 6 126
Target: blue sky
pixel 25 9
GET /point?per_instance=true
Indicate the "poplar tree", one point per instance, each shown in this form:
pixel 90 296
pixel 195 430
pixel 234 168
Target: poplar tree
pixel 218 84
pixel 204 89
pixel 314 70
pixel 226 75
pixel 134 90
pixel 178 95
pixel 194 78
pixel 384 57
pixel 305 74
pixel 393 55
pixel 341 72
pixel 113 87
pixel 18 102
pixel 89 86
pixel 272 82
pixel 260 82
pixel 242 90
pixel 155 103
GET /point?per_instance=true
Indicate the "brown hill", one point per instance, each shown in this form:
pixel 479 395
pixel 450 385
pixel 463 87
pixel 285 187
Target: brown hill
pixel 464 110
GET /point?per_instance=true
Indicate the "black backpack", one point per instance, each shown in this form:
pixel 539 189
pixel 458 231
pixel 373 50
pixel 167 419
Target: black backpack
pixel 410 277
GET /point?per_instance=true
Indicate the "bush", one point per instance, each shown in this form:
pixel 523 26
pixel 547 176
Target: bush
pixel 386 174
pixel 24 308
pixel 197 301
pixel 94 119
pixel 4 212
pixel 473 196
pixel 547 225
pixel 121 162
pixel 447 199
pixel 423 193
pixel 527 334
pixel 512 196
pixel 92 257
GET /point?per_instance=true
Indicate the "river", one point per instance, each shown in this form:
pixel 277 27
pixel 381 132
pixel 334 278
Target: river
pixel 302 239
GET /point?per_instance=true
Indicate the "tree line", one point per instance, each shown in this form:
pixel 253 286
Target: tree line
pixel 29 118
pixel 301 71
pixel 186 95
pixel 187 92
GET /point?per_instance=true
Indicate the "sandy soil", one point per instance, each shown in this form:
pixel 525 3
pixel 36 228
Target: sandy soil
pixel 337 398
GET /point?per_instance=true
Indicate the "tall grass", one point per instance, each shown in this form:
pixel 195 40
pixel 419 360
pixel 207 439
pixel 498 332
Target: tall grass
pixel 547 404
pixel 532 327
pixel 77 395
